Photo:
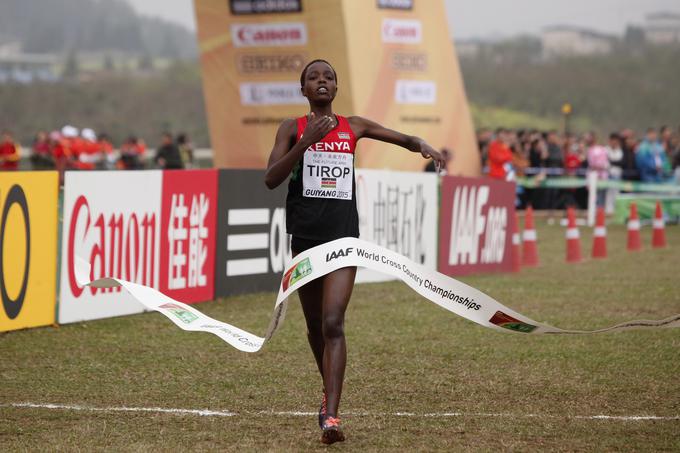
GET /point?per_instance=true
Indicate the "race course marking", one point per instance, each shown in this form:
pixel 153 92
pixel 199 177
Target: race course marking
pixel 224 413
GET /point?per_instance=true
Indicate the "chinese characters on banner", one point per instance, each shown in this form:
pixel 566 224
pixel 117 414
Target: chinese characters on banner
pixel 398 210
pixel 189 212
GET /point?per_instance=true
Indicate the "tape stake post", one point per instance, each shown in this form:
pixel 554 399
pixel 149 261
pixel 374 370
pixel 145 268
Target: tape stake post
pixel 447 292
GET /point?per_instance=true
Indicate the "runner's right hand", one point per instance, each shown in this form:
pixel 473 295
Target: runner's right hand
pixel 317 128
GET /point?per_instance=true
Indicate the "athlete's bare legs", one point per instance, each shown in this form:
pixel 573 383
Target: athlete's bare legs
pixel 324 306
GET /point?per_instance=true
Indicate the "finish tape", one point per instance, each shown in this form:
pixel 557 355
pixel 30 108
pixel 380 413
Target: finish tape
pixel 448 293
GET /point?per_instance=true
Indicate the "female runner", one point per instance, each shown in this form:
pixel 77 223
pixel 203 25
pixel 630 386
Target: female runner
pixel 317 151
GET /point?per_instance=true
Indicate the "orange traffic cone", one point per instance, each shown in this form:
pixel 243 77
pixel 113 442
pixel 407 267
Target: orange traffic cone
pixel 529 249
pixel 516 247
pixel 658 231
pixel 634 229
pixel 600 236
pixel 573 238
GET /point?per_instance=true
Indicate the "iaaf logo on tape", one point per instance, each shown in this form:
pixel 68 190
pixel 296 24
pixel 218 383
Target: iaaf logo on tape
pixel 469 225
pixel 402 31
pixel 339 254
pixel 269 34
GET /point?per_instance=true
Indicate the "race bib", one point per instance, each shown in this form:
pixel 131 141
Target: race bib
pixel 328 175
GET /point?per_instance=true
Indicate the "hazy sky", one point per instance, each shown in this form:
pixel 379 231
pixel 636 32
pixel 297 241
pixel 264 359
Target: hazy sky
pixel 485 18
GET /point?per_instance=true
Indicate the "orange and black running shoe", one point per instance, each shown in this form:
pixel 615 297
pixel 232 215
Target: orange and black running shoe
pixel 332 432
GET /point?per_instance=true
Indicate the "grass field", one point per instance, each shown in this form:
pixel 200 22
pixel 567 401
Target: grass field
pixel 407 359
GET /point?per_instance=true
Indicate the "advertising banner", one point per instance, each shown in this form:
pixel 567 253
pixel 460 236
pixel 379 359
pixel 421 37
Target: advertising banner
pixel 188 223
pixel 28 248
pixel 149 227
pixel 398 210
pixel 408 78
pixel 475 225
pixel 112 220
pixel 252 244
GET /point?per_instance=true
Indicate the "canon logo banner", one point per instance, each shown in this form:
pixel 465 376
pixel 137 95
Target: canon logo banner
pixel 163 239
pixel 272 34
pixel 402 31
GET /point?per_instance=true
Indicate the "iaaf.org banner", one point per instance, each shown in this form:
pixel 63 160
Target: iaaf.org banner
pixel 475 225
pixel 252 244
pixel 148 227
pixel 398 210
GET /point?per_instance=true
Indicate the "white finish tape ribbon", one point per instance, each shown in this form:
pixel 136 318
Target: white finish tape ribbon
pixel 448 293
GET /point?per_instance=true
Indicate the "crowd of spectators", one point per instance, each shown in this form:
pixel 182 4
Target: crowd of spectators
pixel 73 149
pixel 506 154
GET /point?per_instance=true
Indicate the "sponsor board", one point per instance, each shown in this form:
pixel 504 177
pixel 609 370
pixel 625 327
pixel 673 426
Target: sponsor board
pixel 28 247
pixel 395 4
pixel 112 220
pixel 423 92
pixel 252 244
pixel 271 93
pixel 409 61
pixel 474 228
pixel 269 34
pixel 398 210
pixel 271 63
pixel 243 7
pixel 163 238
pixel 187 249
pixel 237 50
pixel 402 31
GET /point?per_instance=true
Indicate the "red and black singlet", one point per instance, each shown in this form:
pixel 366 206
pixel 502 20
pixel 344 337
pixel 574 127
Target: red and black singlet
pixel 321 202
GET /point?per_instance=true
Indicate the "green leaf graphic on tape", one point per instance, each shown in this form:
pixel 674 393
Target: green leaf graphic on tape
pixel 508 322
pixel 297 273
pixel 180 313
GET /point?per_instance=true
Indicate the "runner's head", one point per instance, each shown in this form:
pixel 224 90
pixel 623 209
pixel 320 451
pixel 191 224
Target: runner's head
pixel 319 82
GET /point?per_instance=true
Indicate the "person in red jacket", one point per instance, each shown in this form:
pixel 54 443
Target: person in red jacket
pixel 9 152
pixel 500 155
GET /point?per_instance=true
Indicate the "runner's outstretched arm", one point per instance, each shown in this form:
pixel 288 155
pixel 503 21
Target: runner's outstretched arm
pixel 363 127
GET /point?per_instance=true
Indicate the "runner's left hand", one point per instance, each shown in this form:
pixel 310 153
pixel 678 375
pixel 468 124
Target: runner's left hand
pixel 429 152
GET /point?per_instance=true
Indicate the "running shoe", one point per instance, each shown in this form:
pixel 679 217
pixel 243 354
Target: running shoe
pixel 332 432
pixel 322 410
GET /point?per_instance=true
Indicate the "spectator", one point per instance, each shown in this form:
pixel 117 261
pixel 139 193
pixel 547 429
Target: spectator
pixel 41 158
pixel 9 152
pixel 573 159
pixel 500 155
pixel 484 137
pixel 628 146
pixel 665 136
pixel 167 156
pixel 615 154
pixel 109 155
pixel 132 154
pixel 598 161
pixel 61 153
pixel 651 158
pixel 89 154
pixel 555 158
pixel 186 150
pixel 538 151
